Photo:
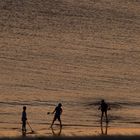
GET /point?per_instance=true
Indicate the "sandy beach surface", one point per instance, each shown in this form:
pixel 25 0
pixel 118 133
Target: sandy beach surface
pixel 74 132
pixel 76 52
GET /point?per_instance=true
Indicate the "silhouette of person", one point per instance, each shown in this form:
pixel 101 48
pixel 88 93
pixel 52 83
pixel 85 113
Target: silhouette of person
pixel 24 119
pixel 58 111
pixel 104 107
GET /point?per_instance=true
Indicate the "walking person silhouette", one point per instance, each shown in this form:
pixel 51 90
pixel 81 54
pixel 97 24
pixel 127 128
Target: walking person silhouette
pixel 104 107
pixel 24 119
pixel 58 111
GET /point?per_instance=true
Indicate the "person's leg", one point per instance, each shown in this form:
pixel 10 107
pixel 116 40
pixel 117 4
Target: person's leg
pixel 106 116
pixel 52 122
pixel 54 119
pixel 102 114
pixel 23 125
pixel 59 119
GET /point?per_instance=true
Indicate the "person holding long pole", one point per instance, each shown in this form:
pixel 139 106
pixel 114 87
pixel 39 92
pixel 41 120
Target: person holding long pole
pixel 24 119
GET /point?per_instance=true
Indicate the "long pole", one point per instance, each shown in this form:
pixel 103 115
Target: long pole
pixel 30 126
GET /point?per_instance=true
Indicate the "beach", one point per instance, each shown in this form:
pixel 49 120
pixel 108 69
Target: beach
pixel 72 136
pixel 73 132
pixel 74 52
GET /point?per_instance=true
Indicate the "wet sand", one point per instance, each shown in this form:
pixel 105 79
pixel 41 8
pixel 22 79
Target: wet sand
pixel 95 137
pixel 73 132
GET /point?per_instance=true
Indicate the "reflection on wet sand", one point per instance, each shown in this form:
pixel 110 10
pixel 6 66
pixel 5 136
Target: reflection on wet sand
pixel 104 129
pixel 23 133
pixel 56 132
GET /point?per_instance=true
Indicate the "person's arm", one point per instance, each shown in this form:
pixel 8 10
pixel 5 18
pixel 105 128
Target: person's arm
pixel 54 111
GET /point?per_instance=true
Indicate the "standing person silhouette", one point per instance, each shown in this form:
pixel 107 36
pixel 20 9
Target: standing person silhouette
pixel 104 107
pixel 24 119
pixel 58 111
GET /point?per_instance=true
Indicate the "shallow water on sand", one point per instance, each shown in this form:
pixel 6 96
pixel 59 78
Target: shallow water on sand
pixel 74 52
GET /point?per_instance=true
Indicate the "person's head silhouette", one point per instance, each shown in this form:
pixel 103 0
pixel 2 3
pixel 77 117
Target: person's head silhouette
pixel 102 100
pixel 24 108
pixel 59 104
